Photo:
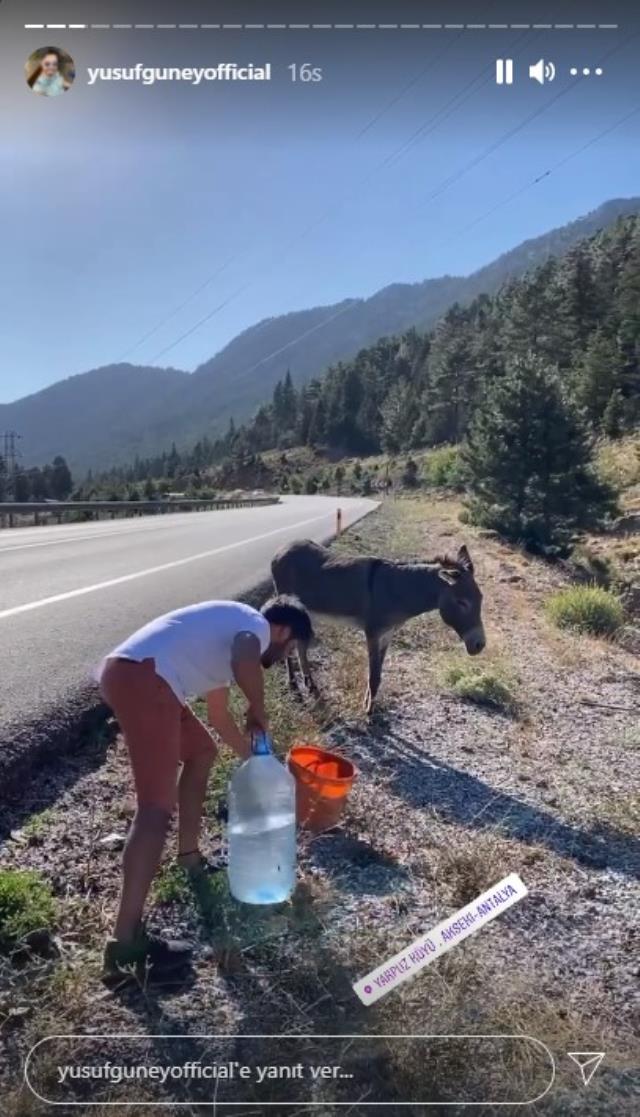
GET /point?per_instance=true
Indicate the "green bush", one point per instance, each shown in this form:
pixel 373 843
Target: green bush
pixel 410 474
pixel 171 886
pixel 36 828
pixel 442 468
pixel 26 904
pixel 486 686
pixel 590 609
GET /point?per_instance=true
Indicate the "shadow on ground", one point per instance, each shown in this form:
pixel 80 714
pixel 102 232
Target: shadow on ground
pixel 426 782
pixel 47 762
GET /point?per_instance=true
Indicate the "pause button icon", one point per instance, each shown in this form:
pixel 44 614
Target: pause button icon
pixel 504 71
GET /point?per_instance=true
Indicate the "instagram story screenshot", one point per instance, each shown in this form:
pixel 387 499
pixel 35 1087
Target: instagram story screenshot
pixel 320 557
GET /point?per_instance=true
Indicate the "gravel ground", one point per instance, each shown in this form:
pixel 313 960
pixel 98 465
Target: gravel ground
pixel 451 797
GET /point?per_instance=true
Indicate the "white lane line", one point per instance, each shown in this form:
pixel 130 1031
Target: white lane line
pixel 125 532
pixel 30 605
pixel 96 536
pixel 67 539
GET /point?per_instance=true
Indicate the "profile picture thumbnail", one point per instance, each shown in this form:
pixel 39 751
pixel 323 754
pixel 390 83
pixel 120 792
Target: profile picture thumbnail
pixel 50 71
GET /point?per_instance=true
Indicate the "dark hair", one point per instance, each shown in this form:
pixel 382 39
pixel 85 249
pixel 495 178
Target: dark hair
pixel 40 55
pixel 288 611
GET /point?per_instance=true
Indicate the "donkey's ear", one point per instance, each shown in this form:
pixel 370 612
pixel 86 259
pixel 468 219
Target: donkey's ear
pixel 450 576
pixel 464 558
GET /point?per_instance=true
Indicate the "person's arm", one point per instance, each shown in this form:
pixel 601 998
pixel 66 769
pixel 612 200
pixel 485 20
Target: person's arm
pixel 221 720
pixel 247 671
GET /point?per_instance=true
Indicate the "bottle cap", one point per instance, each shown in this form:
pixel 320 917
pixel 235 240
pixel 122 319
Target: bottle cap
pixel 261 744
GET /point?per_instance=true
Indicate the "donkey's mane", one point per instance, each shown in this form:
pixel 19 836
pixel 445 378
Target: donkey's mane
pixel 449 562
pixel 443 561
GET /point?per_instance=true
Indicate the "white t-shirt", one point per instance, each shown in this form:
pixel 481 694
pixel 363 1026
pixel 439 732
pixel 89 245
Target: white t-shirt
pixel 49 87
pixel 192 646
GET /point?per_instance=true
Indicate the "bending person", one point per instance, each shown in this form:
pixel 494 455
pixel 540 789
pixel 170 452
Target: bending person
pixel 196 651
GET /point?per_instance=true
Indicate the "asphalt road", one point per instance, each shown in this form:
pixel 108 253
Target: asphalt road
pixel 69 593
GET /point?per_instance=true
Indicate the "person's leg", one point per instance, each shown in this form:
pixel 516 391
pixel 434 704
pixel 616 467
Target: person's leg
pixel 149 715
pixel 198 752
pixel 140 862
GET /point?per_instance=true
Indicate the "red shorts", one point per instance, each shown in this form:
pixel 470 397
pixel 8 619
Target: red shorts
pixel 159 732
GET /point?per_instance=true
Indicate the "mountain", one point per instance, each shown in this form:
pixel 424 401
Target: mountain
pixel 96 417
pixel 106 416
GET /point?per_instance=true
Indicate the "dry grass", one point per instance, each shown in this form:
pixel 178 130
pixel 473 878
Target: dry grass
pixel 619 462
pixel 621 812
pixel 482 685
pixel 588 609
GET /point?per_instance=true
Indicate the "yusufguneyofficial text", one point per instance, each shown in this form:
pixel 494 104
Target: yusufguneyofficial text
pixel 194 75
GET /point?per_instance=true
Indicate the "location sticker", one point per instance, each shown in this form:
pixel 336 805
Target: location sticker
pixel 408 962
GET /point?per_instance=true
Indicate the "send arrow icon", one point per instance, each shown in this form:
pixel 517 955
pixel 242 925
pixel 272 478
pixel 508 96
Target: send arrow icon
pixel 588 1063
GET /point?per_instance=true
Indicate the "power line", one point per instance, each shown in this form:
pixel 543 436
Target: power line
pixel 410 85
pixel 207 318
pixel 492 148
pixel 177 309
pixel 431 123
pixel 452 178
pixel 455 102
pixel 514 131
pixel 447 109
pixel 305 232
pixel 539 178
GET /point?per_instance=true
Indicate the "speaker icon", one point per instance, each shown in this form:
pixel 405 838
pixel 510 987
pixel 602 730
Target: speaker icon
pixel 542 71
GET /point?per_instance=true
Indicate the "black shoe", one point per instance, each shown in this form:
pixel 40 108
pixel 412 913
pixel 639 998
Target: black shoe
pixel 146 958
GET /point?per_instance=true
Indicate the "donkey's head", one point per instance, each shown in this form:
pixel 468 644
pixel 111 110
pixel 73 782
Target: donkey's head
pixel 460 601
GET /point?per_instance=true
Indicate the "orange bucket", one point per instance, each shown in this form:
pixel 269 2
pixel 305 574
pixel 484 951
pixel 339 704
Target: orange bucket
pixel 323 782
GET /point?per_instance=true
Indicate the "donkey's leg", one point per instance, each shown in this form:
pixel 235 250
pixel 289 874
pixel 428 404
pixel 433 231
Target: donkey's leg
pixel 305 667
pixel 377 644
pixel 291 672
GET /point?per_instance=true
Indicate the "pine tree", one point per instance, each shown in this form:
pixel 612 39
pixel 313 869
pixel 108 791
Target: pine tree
pixel 173 462
pixel 289 413
pixel 40 483
pixel 60 479
pixel 451 379
pixel 21 487
pixel 318 425
pixel 614 415
pixel 410 474
pixel 262 432
pixel 580 296
pixel 396 417
pixel 528 460
pixel 629 333
pixel 597 377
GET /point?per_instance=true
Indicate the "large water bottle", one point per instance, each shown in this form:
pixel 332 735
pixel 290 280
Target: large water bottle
pixel 262 828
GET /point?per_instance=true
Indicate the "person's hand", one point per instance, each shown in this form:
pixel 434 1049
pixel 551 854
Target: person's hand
pixel 256 721
pixel 243 747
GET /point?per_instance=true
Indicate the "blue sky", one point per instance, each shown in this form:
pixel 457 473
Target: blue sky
pixel 118 201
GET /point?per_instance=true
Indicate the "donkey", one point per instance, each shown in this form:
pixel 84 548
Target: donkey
pixel 378 596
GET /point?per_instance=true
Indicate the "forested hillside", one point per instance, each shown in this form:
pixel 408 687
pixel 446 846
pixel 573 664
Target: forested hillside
pixel 579 315
pixel 107 416
pixel 524 380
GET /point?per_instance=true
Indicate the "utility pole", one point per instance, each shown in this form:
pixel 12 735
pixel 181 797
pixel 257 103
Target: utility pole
pixel 10 450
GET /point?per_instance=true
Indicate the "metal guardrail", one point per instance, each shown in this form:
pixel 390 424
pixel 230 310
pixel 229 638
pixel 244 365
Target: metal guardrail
pixel 9 512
